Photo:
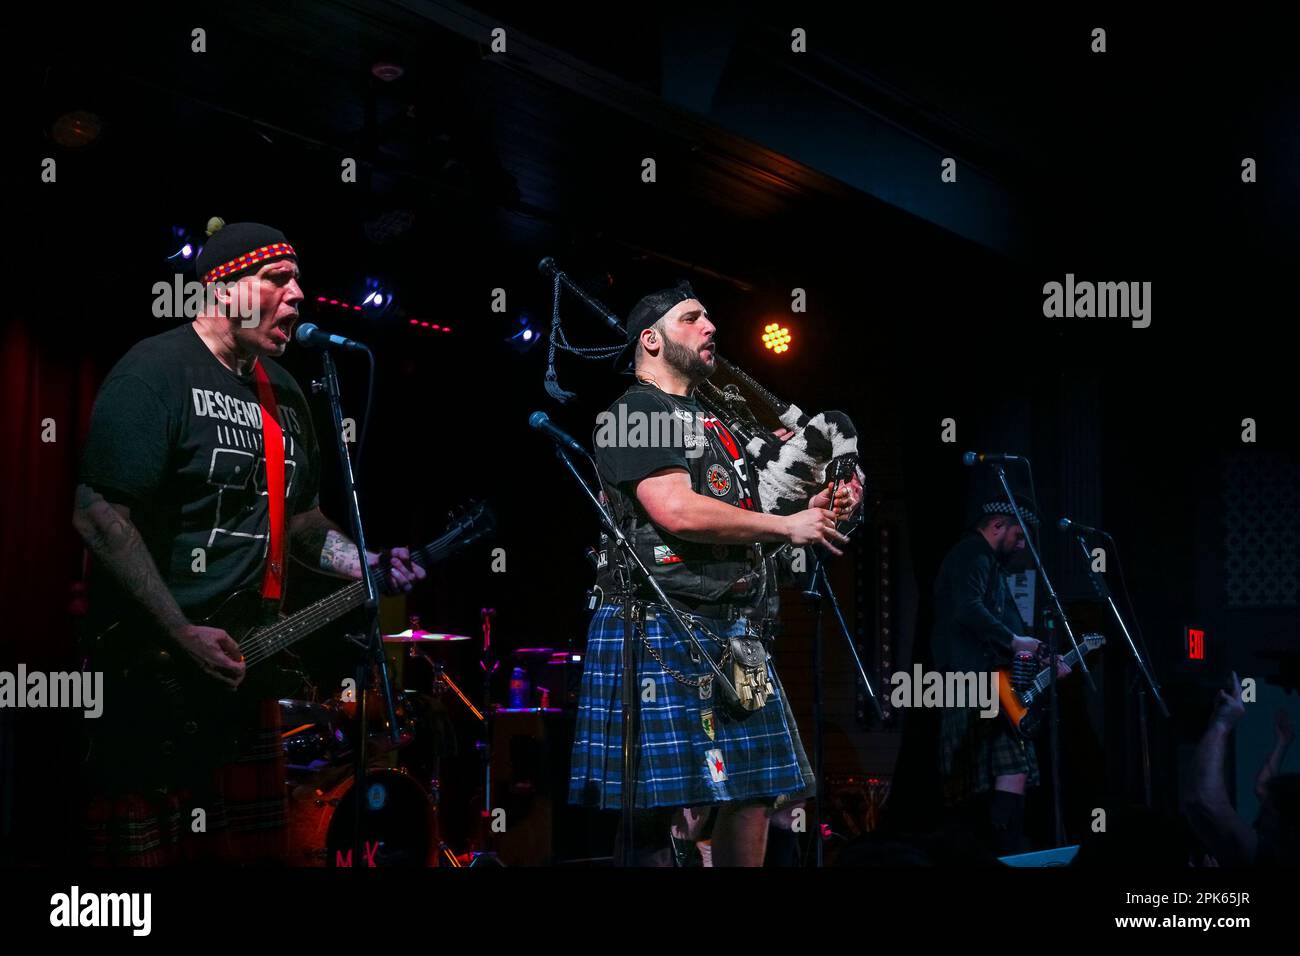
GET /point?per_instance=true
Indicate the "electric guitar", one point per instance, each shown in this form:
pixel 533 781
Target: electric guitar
pixel 162 711
pixel 1021 692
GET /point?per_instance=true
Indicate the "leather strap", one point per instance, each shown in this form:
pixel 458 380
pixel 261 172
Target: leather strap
pixel 273 451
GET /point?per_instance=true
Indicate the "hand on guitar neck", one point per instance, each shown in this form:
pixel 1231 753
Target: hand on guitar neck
pixel 1031 645
pixel 403 572
pixel 217 653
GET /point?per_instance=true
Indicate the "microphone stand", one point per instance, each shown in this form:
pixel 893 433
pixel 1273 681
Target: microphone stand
pixel 630 698
pixel 489 667
pixel 817 593
pixel 1103 591
pixel 1054 728
pixel 1056 607
pixel 373 655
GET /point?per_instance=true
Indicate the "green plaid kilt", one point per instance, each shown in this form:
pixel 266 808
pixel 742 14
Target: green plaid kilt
pixel 975 750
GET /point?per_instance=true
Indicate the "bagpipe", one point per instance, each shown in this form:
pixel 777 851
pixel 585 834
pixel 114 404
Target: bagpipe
pixel 823 448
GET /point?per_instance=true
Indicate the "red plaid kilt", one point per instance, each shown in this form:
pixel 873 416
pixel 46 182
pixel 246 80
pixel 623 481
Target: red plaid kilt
pixel 245 803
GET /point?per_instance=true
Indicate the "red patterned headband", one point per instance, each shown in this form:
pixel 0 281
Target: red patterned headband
pixel 276 250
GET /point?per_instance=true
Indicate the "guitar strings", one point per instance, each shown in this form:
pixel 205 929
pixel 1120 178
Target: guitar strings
pixel 275 638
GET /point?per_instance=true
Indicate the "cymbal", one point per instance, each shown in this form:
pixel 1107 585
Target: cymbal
pixel 413 636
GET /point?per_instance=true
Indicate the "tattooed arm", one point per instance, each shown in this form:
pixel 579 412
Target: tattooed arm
pixel 116 544
pixel 321 544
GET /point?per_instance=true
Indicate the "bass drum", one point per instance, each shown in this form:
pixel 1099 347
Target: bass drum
pixel 398 821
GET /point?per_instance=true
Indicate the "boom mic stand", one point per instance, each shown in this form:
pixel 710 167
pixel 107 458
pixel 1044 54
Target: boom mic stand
pixel 1143 665
pixel 630 699
pixel 1058 826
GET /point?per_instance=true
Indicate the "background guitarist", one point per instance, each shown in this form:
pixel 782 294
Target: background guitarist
pixel 173 505
pixel 986 767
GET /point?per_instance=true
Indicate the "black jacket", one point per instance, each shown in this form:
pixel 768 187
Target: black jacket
pixel 975 616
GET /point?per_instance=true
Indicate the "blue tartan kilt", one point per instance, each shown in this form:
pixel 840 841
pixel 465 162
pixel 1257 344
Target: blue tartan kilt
pixel 754 756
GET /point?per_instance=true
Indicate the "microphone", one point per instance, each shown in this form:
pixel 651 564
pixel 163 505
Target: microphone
pixel 978 457
pixel 1065 524
pixel 310 335
pixel 542 423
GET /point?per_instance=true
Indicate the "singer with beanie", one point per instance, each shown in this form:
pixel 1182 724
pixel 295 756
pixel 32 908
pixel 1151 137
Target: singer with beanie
pixel 174 506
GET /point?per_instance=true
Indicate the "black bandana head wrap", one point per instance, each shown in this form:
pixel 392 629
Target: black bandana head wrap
pixel 646 313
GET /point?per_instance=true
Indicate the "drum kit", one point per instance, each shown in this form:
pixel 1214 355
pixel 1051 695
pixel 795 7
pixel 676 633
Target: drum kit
pixel 407 819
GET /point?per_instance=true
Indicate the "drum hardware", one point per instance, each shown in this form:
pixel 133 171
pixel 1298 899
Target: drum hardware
pixel 319 742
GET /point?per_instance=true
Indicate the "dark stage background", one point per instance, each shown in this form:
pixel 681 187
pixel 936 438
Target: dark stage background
pixel 821 173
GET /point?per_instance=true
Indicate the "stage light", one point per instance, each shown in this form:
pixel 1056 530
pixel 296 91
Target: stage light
pixel 526 337
pixel 376 299
pixel 186 249
pixel 431 326
pixel 776 338
pixel 77 129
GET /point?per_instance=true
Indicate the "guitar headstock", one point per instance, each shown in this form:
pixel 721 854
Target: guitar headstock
pixel 1092 641
pixel 471 520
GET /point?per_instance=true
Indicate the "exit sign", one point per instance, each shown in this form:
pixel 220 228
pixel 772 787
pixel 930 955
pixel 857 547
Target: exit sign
pixel 1195 644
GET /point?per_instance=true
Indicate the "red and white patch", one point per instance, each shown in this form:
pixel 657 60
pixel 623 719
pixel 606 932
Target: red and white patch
pixel 716 770
pixel 719 479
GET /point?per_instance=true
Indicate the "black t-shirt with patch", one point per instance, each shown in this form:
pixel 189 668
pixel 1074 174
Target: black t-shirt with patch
pixel 702 446
pixel 177 437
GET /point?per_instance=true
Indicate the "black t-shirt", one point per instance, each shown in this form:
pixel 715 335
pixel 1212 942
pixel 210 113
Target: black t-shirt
pixel 626 463
pixel 177 437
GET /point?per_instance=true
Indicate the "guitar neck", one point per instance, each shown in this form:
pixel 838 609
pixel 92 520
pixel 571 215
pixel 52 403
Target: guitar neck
pixel 283 634
pixel 1045 675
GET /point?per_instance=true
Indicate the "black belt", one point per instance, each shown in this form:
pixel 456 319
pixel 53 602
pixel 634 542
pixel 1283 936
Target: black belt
pixel 715 612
